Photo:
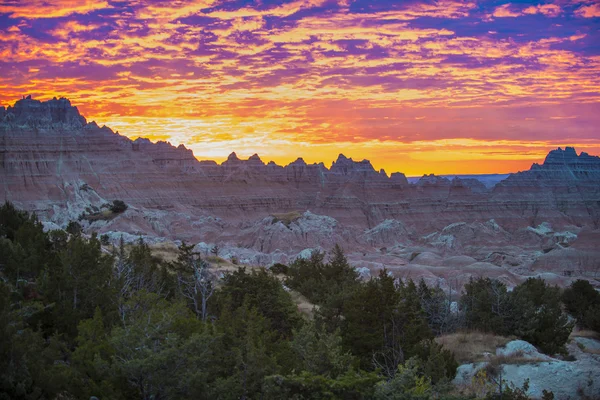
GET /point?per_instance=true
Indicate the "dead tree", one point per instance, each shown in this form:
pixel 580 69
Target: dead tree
pixel 197 284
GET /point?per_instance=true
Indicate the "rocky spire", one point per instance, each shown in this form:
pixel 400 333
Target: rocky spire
pixel 49 114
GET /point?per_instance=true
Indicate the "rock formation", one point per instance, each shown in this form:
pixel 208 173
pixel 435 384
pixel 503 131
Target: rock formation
pixel 53 162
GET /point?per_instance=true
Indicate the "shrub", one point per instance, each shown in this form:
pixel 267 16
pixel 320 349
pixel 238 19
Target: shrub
pixel 279 268
pixel 538 315
pixel 583 302
pixel 532 311
pixel 487 306
pixel 118 206
pixel 74 228
pixel 105 240
pixel 592 317
pixel 437 363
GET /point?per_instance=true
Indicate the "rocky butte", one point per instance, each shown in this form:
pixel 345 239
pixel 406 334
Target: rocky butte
pixel 544 221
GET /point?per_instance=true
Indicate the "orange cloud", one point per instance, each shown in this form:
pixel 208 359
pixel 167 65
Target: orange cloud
pixel 591 11
pixel 33 9
pixel 505 10
pixel 510 11
pixel 384 84
pixel 549 10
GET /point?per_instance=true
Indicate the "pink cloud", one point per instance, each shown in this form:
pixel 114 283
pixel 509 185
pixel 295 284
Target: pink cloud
pixel 549 10
pixel 591 11
pixel 506 11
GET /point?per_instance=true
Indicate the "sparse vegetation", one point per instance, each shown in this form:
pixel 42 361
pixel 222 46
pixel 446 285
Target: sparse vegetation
pixel 287 218
pixel 104 213
pixel 118 206
pixel 279 269
pixel 74 228
pixel 470 347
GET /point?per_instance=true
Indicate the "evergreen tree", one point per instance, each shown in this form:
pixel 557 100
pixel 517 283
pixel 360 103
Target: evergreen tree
pixel 487 306
pixel 319 352
pixel 372 324
pixel 78 284
pixel 538 316
pixel 583 302
pixel 262 292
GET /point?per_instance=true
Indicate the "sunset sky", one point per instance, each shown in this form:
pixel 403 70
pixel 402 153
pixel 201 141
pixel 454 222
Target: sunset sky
pixel 415 86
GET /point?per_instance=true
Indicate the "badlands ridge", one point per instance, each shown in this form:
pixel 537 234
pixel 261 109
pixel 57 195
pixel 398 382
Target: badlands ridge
pixel 540 222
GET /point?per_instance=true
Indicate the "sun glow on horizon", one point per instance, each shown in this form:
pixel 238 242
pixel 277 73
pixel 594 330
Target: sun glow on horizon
pixel 417 87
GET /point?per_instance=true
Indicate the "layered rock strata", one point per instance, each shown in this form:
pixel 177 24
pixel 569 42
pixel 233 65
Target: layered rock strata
pixel 53 162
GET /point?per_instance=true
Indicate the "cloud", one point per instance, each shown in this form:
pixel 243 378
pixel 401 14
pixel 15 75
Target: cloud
pixel 509 10
pixel 34 9
pixel 549 10
pixel 302 76
pixel 506 10
pixel 591 11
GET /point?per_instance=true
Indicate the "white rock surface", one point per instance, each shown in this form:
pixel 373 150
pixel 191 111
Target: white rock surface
pixel 521 348
pixel 566 379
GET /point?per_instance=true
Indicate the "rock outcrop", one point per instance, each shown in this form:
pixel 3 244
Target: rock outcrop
pixel 577 379
pixel 53 162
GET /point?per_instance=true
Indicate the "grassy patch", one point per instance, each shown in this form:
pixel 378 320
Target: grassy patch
pixel 591 351
pixel 469 347
pixel 217 260
pixel 516 358
pixel 585 334
pixel 105 215
pixel 286 218
pixel 304 306
pixel 167 251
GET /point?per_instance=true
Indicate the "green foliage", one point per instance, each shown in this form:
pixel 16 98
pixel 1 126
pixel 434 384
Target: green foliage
pixel 77 284
pixel 319 352
pixel 148 347
pixel 329 284
pixel 31 367
pixel 592 317
pixel 24 247
pixel 118 206
pixel 252 350
pixel 322 281
pixel 511 392
pixel 74 228
pixel 407 384
pixel 279 269
pixel 538 316
pixel 486 305
pixel 532 311
pixel 259 290
pixel 373 322
pixel 91 359
pixel 309 386
pixel 583 302
pixel 77 323
pixel 11 220
pixel 436 362
pixel 146 272
pixel 415 327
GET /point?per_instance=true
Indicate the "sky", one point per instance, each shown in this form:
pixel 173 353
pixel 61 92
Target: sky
pixel 419 87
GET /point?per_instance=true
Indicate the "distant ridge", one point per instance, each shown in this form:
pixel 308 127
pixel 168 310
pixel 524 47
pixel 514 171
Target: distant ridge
pixel 59 113
pixel 54 162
